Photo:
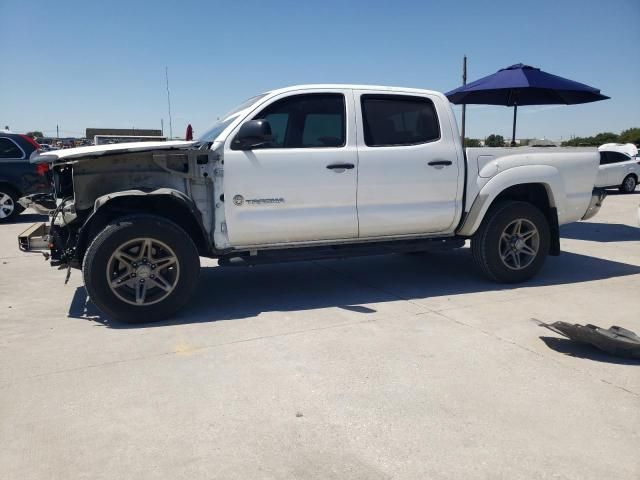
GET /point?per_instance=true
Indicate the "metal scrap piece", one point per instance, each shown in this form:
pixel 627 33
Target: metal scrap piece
pixel 615 340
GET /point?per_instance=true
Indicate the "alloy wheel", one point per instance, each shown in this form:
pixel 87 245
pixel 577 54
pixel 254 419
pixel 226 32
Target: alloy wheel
pixel 519 244
pixel 7 205
pixel 143 271
pixel 630 184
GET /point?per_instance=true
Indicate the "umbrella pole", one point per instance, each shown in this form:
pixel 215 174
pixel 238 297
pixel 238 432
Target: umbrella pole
pixel 513 134
pixel 464 106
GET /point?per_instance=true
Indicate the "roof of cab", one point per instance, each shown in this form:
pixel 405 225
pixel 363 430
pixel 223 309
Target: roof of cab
pixel 380 88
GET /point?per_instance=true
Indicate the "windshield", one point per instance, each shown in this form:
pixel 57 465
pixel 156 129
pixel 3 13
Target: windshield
pixel 218 127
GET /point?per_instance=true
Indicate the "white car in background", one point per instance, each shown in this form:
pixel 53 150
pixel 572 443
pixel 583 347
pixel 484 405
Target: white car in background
pixel 619 167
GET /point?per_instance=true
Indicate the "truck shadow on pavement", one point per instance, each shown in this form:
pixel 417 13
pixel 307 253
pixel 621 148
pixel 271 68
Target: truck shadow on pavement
pixel 355 284
pixel 600 232
pixel 588 352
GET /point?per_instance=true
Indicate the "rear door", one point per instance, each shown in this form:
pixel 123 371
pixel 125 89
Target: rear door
pixel 301 187
pixel 622 165
pixel 614 167
pixel 409 171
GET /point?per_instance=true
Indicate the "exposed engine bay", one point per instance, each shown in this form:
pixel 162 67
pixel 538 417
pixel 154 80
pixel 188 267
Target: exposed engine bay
pixel 92 190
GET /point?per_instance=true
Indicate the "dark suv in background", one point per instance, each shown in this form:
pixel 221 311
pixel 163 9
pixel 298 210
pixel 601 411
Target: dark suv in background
pixel 18 177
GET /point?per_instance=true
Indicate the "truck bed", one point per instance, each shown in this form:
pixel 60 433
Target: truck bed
pixel 574 169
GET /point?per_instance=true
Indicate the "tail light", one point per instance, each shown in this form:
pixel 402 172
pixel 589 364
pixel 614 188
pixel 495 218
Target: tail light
pixel 42 169
pixel 31 141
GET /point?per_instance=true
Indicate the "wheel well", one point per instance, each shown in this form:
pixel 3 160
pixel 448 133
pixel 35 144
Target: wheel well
pixel 633 175
pixel 538 195
pixel 534 193
pixel 165 206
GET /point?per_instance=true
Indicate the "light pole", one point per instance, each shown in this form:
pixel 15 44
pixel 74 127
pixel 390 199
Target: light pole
pixel 166 74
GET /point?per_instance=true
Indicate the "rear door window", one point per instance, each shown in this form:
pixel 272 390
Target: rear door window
pixel 392 120
pixel 607 158
pixel 9 149
pixel 619 157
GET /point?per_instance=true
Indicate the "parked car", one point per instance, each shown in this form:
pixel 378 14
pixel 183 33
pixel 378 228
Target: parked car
pixel 18 177
pixel 307 172
pixel 628 148
pixel 618 169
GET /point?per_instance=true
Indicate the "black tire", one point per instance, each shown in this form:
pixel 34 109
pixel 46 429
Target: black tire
pixel 9 204
pixel 486 243
pixel 99 257
pixel 629 184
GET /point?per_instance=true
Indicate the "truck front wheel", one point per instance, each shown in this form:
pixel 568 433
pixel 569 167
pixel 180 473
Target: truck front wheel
pixel 141 268
pixel 512 242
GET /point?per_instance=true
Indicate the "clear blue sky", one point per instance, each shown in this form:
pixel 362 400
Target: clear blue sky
pixel 101 64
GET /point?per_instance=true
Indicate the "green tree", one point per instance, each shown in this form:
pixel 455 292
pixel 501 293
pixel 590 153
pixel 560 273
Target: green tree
pixel 606 137
pixel 471 142
pixel 35 134
pixel 630 135
pixel 596 140
pixel 578 142
pixel 494 141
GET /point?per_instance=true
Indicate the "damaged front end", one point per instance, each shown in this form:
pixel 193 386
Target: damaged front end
pixel 54 239
pixel 95 185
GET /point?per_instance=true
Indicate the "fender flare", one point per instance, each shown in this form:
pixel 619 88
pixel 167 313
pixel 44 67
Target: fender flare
pixel 546 175
pixel 110 206
pixel 171 192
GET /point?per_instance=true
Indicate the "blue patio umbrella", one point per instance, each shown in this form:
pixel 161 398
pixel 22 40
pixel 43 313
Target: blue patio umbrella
pixel 519 85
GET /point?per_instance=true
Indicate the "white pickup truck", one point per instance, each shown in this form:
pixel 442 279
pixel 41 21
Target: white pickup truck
pixel 304 172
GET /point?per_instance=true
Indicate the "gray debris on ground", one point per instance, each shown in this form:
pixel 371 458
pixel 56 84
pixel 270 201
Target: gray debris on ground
pixel 614 340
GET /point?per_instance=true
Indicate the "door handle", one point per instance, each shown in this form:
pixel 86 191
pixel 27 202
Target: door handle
pixel 440 163
pixel 340 166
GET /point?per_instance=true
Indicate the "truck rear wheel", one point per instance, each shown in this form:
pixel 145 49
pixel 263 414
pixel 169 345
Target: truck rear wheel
pixel 512 242
pixel 141 268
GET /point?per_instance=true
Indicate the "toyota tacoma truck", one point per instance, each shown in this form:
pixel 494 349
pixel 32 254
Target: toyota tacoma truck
pixel 299 173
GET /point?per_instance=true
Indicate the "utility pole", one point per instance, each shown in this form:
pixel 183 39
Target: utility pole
pixel 166 74
pixel 57 132
pixel 162 127
pixel 464 105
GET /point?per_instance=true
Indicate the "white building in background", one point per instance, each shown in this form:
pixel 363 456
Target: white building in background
pixel 543 142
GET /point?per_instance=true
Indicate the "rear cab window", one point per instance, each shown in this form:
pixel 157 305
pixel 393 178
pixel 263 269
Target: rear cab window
pixel 396 120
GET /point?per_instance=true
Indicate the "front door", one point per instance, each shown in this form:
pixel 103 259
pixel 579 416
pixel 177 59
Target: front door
pixel 409 173
pixel 301 187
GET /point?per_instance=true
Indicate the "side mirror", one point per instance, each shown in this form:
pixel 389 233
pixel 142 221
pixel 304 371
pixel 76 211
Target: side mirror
pixel 252 134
